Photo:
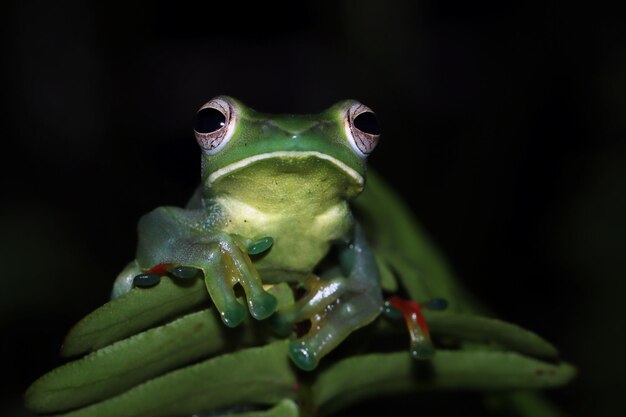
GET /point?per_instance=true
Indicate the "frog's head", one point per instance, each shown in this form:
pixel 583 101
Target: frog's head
pixel 248 151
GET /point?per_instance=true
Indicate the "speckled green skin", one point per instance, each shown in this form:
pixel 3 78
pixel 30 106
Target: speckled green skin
pixel 288 177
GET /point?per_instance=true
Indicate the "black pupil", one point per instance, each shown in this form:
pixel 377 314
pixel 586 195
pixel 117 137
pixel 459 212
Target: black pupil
pixel 367 122
pixel 209 120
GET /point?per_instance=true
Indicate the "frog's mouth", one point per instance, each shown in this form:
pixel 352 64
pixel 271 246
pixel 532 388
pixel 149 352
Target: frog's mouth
pixel 286 155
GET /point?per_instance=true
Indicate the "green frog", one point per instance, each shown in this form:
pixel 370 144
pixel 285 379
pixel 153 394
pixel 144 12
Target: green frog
pixel 273 207
pixel 281 231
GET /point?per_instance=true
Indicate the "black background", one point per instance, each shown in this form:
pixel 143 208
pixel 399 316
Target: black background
pixel 503 127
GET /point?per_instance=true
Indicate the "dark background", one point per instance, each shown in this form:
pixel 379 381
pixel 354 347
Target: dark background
pixel 503 128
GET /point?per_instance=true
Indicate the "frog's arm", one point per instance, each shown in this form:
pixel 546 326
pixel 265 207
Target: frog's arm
pixel 183 237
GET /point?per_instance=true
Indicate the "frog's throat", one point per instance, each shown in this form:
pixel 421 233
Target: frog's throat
pixel 285 154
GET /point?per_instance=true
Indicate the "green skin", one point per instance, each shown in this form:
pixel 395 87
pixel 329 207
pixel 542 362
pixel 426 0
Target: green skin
pixel 289 178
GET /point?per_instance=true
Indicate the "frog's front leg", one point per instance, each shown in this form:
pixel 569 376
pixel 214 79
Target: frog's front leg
pixel 337 305
pixel 181 237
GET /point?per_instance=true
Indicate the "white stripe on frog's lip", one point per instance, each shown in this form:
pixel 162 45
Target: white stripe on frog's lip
pixel 280 154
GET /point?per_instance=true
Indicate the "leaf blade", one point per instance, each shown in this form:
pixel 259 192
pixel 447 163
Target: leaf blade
pixel 126 363
pixel 131 313
pixel 484 329
pixel 261 375
pixel 358 377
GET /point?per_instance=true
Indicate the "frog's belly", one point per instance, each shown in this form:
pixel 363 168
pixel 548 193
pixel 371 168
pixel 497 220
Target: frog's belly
pixel 292 258
pixel 302 237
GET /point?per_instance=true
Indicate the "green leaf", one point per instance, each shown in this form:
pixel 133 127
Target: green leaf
pixel 124 364
pixel 285 408
pixel 360 377
pixel 254 376
pixel 128 362
pixel 487 330
pixel 133 312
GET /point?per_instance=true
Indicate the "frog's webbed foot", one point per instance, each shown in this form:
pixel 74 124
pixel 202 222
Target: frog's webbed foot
pixel 335 306
pixel 227 266
pixel 223 271
pixel 223 259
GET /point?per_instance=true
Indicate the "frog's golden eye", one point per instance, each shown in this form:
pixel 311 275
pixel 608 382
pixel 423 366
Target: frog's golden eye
pixel 362 129
pixel 214 125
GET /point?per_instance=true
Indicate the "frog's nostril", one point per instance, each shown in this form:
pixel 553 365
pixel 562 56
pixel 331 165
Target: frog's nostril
pixel 294 126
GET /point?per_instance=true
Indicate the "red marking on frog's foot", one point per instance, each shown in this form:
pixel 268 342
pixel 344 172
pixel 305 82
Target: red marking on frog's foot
pixel 161 269
pixel 421 343
pixel 411 311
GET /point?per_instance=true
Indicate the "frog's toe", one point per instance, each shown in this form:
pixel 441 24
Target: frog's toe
pixel 423 351
pixel 185 272
pixel 421 344
pixel 302 355
pixel 233 314
pixel 262 305
pixel 146 280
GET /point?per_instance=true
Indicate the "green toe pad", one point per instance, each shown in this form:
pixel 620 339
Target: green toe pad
pixel 262 305
pixel 302 356
pixel 233 315
pixel 423 352
pixel 260 246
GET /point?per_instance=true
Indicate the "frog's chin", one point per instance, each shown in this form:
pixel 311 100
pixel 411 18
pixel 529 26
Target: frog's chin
pixel 349 172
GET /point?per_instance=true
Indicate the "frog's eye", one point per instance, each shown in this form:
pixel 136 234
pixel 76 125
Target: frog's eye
pixel 362 129
pixel 215 123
